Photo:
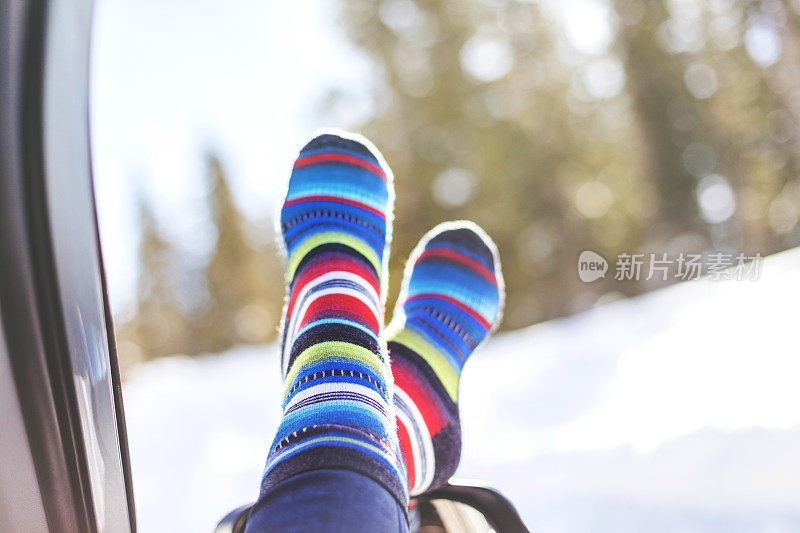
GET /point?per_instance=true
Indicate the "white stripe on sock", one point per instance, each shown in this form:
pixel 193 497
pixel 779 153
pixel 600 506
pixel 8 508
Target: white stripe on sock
pixel 324 388
pixel 421 443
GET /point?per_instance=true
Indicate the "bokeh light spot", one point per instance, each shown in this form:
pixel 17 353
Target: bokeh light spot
pixel 762 43
pixel 605 78
pixel 593 199
pixel 701 80
pixel 454 187
pixel 487 58
pixel 716 199
pixel 699 159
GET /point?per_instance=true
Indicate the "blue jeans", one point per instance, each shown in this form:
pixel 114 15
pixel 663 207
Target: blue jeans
pixel 330 501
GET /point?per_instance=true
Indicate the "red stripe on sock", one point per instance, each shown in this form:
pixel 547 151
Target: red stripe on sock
pixel 406 450
pixel 339 304
pixel 326 264
pixel 460 258
pixel 340 158
pixel 471 312
pixel 423 397
pixel 335 199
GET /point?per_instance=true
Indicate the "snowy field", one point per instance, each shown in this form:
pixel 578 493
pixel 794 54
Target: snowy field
pixel 677 411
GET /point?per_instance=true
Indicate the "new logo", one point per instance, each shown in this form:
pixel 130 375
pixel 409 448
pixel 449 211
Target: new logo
pixel 591 266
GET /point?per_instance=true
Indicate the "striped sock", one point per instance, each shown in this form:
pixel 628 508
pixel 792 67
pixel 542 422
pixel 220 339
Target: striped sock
pixel 337 397
pixel 452 297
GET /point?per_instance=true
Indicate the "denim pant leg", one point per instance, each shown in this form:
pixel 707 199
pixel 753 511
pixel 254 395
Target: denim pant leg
pixel 330 501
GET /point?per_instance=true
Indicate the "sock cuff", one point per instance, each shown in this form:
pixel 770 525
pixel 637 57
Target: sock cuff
pixel 338 457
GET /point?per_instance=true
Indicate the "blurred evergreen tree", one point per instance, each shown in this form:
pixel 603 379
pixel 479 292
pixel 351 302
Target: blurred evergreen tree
pixel 666 112
pixel 758 105
pixel 476 117
pixel 705 108
pixel 486 111
pixel 160 325
pixel 243 275
pixel 235 298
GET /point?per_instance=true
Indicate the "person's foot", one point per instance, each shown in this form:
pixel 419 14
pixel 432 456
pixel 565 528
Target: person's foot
pixel 337 400
pixel 452 298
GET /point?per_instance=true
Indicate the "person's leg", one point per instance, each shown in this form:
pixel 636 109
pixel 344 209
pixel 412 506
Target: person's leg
pixel 337 397
pixel 328 500
pixel 452 298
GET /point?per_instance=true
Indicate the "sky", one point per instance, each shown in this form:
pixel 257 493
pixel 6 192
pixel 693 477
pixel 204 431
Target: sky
pixel 170 80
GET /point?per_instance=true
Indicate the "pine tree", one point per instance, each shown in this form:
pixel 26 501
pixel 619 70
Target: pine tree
pixel 159 326
pixel 655 83
pixel 486 112
pixel 723 130
pixel 244 281
pixel 506 149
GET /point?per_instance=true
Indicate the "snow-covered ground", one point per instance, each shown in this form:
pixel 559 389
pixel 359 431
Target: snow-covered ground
pixel 675 411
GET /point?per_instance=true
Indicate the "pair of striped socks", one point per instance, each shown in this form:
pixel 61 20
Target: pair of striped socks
pixel 383 404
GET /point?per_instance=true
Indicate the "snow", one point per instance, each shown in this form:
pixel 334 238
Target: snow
pixel 673 411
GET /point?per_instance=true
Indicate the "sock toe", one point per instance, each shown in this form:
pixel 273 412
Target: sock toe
pixel 340 194
pixel 455 272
